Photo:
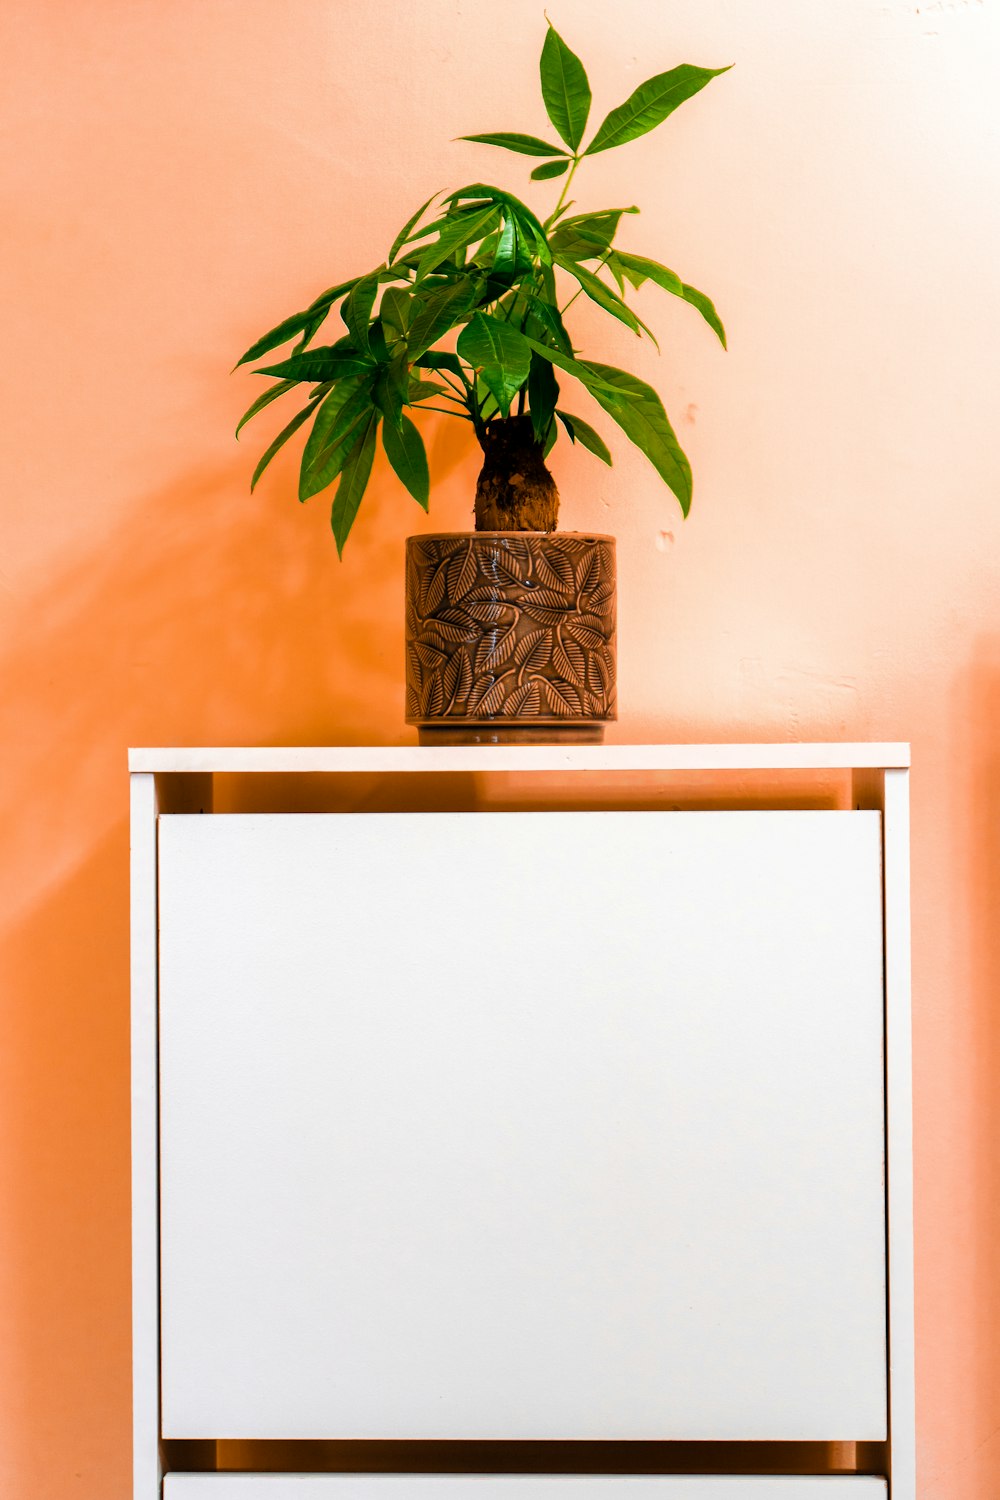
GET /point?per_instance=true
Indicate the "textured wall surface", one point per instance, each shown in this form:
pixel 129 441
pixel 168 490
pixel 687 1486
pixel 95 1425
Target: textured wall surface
pixel 176 178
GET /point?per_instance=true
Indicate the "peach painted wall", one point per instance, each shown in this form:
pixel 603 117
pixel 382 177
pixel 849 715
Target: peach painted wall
pixel 176 177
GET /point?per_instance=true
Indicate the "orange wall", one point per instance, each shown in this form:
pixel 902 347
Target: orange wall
pixel 178 177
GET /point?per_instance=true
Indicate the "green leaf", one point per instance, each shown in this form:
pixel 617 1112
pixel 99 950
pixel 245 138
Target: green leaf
pixel 543 393
pixel 353 483
pixel 500 353
pixel 405 451
pixel 510 257
pixel 601 294
pixel 265 400
pixel 357 309
pixel 525 145
pixel 404 233
pixel 392 390
pixel 439 311
pixel 594 228
pixel 638 410
pixel 650 105
pixel 451 216
pixel 456 237
pixel 565 88
pixel 282 439
pixel 329 363
pixel 423 390
pixel 440 359
pixel 377 341
pixel 550 169
pixel 583 371
pixel 581 432
pixel 526 219
pixel 544 322
pixel 640 268
pixel 277 336
pixel 326 299
pixel 396 308
pixel 332 436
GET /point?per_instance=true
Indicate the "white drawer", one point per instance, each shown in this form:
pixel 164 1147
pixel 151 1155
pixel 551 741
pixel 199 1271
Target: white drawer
pixel 519 1487
pixel 523 1126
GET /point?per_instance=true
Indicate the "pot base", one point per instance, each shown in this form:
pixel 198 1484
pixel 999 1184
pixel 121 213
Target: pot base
pixel 511 734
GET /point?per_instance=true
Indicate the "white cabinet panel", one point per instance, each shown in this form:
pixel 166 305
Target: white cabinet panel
pixel 519 1487
pixel 540 1125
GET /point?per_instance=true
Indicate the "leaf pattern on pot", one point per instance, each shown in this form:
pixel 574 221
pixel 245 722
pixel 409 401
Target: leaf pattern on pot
pixel 588 573
pixel 502 628
pixel 555 571
pixel 563 697
pixel 432 587
pixel 462 573
pixel 526 699
pixel 570 661
pixel 500 567
pixel 429 658
pixel 494 648
pixel 432 698
pixel 478 692
pixel 533 650
pixel 457 677
pixel 586 634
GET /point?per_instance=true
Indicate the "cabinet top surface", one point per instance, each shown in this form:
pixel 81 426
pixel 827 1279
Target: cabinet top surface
pixel 396 758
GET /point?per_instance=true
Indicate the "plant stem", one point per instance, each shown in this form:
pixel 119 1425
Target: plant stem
pixel 562 196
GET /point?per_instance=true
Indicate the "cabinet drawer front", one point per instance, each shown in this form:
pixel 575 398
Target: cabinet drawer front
pixel 519 1487
pixel 522 1126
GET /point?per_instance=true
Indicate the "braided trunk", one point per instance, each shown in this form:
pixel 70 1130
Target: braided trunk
pixel 515 491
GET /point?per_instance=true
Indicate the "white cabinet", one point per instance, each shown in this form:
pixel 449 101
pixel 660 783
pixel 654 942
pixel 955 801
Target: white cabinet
pixel 515 1125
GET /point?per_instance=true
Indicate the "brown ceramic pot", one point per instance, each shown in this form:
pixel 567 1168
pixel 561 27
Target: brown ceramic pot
pixel 510 636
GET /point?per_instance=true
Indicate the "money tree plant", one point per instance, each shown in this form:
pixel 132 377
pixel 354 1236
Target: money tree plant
pixel 480 264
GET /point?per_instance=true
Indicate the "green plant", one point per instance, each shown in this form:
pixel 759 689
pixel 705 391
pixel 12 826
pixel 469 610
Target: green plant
pixel 483 263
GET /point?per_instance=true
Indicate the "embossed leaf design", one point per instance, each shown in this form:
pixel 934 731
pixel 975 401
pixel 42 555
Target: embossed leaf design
pixel 554 570
pixel 501 569
pixel 457 677
pixel 495 648
pixel 487 613
pixel 416 671
pixel 432 698
pixel 570 661
pixel 589 573
pixel 460 618
pixel 428 656
pixel 412 703
pixel 462 574
pixel 478 691
pixel 526 699
pixel 586 633
pixel 452 632
pixel 563 698
pixel 533 650
pixel 597 678
pixel 546 614
pixel 432 586
pixel 596 600
pixel 517 548
pixel 492 701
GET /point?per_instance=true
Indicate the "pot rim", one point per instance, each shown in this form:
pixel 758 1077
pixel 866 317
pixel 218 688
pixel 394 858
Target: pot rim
pixel 449 536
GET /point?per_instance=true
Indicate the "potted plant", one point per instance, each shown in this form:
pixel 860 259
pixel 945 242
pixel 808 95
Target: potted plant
pixel 510 628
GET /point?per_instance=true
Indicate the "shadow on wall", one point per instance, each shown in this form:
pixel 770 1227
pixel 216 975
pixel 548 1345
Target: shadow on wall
pixel 208 617
pixel 978 709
